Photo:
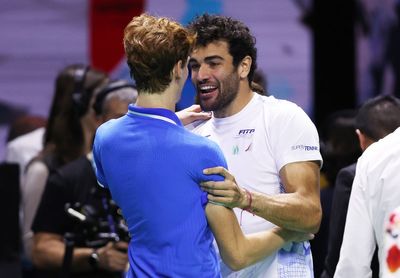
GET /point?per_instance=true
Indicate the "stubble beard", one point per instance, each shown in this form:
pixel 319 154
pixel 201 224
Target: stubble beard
pixel 228 90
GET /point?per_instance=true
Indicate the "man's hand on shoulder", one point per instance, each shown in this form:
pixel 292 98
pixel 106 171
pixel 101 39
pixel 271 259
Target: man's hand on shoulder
pixel 226 192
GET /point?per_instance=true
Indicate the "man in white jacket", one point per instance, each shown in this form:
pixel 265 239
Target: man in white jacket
pixel 375 194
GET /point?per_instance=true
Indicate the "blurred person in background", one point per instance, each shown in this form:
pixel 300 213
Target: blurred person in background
pixel 23 125
pixel 365 193
pixel 339 148
pixel 69 133
pixel 75 183
pixel 25 141
pixel 339 144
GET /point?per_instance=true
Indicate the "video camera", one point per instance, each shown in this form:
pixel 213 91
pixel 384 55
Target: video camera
pixel 98 221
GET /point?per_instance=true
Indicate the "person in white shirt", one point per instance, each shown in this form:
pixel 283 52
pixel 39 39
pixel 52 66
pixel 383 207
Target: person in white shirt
pixel 375 193
pixel 23 148
pixel 271 146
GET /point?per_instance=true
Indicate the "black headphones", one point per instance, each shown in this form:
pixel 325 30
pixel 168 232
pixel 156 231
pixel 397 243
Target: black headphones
pixel 79 96
pixel 110 87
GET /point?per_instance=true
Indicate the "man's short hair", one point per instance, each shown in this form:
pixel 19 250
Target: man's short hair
pixel 378 117
pixel 153 45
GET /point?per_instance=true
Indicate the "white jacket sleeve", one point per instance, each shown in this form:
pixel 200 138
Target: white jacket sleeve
pixel 358 244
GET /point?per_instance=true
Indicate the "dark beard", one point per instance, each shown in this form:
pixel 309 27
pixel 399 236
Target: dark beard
pixel 229 92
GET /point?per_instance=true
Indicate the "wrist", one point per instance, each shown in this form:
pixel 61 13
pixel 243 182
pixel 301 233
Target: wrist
pixel 94 259
pixel 283 233
pixel 244 199
pixel 248 201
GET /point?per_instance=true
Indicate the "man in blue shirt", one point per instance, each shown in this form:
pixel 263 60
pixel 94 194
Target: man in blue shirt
pixel 153 166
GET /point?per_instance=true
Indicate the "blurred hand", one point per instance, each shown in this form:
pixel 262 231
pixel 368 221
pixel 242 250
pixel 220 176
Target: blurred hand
pixel 113 256
pixel 290 235
pixel 191 114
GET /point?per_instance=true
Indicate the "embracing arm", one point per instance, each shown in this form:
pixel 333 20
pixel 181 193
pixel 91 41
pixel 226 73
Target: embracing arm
pixel 298 209
pixel 238 250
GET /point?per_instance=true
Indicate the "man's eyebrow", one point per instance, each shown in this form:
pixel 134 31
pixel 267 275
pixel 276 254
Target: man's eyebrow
pixel 207 59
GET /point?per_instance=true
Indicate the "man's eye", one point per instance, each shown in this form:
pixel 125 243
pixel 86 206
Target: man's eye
pixel 194 66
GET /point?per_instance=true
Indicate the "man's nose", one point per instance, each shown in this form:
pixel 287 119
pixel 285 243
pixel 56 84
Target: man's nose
pixel 203 73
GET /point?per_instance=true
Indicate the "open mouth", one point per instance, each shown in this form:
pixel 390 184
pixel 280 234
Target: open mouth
pixel 207 91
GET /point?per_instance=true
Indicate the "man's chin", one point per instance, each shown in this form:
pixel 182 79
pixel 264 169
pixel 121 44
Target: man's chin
pixel 205 107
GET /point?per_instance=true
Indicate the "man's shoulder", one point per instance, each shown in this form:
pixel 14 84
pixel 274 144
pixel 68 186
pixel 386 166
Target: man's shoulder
pixel 276 103
pixel 277 110
pixel 197 126
pixel 36 134
pixel 31 139
pixel 345 177
pixel 109 125
pixel 380 156
pixel 197 139
pixel 74 178
pixel 351 169
pixel 383 149
pixel 108 132
pixel 75 166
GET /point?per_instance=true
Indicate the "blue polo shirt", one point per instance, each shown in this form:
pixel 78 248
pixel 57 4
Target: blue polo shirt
pixel 153 166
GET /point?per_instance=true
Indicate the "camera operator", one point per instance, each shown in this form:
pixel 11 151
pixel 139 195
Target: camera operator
pixel 74 185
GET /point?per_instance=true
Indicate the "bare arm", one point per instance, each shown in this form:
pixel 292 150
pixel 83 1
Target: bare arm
pixel 48 253
pixel 239 251
pixel 31 192
pixel 298 209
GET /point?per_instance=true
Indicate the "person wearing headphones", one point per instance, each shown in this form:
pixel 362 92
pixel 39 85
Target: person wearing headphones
pixel 74 186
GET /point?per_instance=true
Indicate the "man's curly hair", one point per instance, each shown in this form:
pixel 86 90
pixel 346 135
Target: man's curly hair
pixel 211 28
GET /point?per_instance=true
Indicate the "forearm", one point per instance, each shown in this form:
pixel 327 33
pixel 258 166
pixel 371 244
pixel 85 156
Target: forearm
pixel 49 254
pixel 289 210
pixel 255 247
pixel 298 209
pixel 236 249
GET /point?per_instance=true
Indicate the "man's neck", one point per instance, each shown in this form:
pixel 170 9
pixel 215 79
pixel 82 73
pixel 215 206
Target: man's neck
pixel 242 99
pixel 164 100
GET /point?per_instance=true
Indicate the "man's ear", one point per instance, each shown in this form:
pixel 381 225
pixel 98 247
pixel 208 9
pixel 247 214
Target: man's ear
pixel 364 140
pixel 178 70
pixel 244 67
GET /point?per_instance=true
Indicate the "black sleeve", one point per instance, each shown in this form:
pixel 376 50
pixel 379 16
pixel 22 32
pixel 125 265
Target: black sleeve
pixel 51 216
pixel 340 203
